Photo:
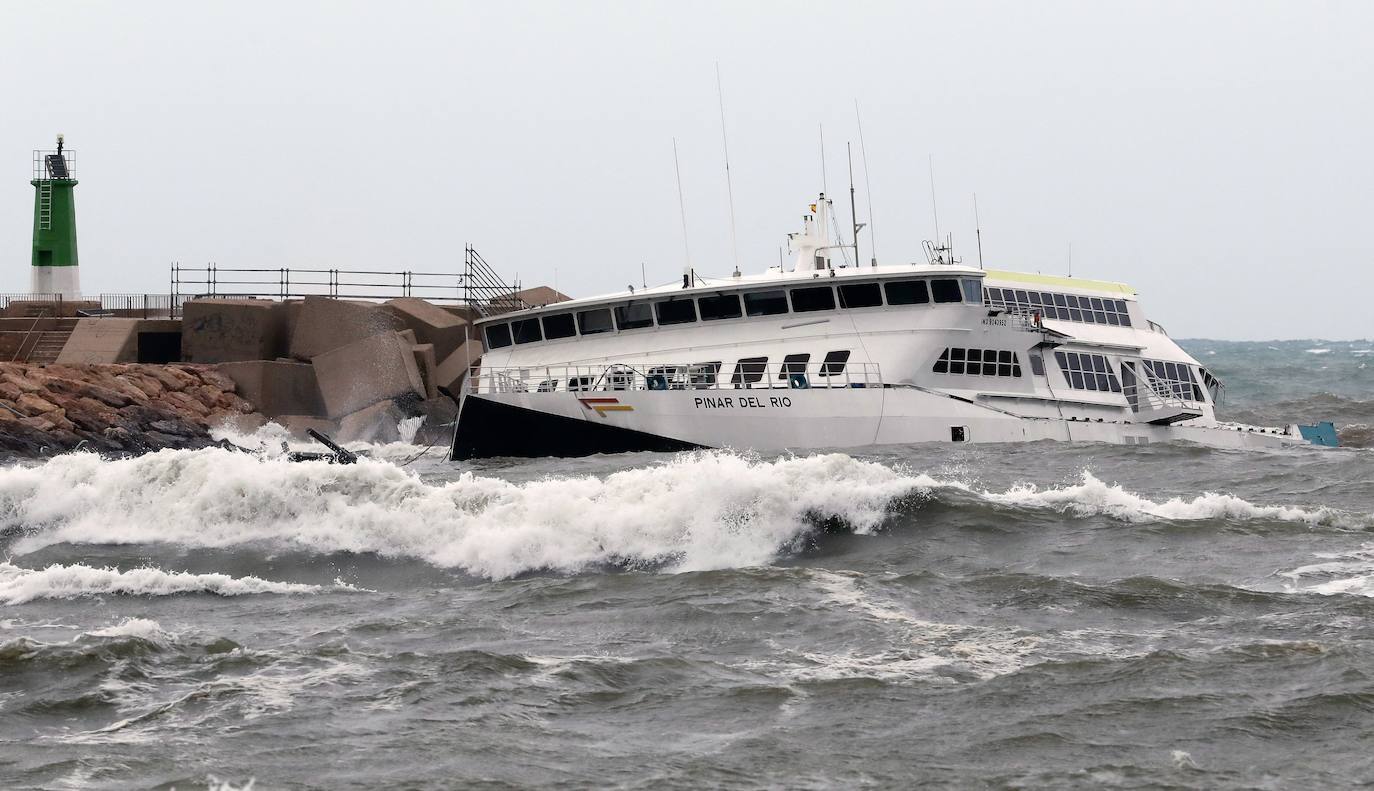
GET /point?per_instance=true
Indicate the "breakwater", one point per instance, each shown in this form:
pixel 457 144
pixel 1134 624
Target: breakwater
pixel 115 408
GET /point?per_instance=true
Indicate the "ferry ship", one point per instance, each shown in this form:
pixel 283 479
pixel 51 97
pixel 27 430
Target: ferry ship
pixel 831 354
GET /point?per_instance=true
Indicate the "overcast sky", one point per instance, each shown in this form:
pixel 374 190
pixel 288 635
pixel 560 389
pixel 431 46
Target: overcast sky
pixel 1217 156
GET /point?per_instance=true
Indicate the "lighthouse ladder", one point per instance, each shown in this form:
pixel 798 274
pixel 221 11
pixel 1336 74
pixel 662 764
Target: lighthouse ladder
pixel 45 205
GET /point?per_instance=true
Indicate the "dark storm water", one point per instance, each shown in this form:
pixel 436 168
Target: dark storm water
pixel 1033 616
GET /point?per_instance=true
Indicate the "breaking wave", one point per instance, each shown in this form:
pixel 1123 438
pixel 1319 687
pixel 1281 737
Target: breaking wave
pixel 703 510
pixel 19 585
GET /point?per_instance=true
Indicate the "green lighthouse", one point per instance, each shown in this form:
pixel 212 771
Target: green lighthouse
pixel 54 262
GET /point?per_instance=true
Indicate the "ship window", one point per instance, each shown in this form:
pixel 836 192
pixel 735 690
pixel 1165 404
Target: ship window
pixel 907 292
pixel 946 290
pixel 676 311
pixel 794 364
pixel 765 303
pixel 860 295
pixel 580 383
pixel 547 386
pixel 702 376
pixel 749 370
pixel 526 331
pixel 633 316
pixel 972 290
pixel 806 300
pixel 1174 379
pixel 978 362
pixel 722 306
pixel 590 322
pixel 559 325
pixel 498 336
pixel 834 362
pixel 1088 372
pixel 1037 365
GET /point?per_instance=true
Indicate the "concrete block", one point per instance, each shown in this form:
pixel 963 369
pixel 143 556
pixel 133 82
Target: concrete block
pixel 229 330
pixel 325 324
pixel 101 341
pixel 431 324
pixel 379 423
pixel 277 388
pixel 424 360
pixel 453 369
pixel 376 368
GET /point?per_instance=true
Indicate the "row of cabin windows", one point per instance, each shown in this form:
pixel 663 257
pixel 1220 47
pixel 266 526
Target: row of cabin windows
pixel 748 370
pixel 978 362
pixel 686 310
pixel 1088 371
pixel 1068 307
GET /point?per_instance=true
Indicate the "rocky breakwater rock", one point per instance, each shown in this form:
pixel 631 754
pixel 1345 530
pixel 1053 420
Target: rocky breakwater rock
pixel 50 409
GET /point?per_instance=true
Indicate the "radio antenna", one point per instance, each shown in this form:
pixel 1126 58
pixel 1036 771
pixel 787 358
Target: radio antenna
pixel 1070 259
pixel 729 188
pixel 978 230
pixel 934 208
pixel 682 208
pixel 825 188
pixel 853 217
pixel 868 187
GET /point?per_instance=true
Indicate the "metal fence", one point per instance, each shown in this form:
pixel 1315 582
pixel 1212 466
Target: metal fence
pixel 477 285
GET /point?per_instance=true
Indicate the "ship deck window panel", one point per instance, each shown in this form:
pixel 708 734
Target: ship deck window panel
pixel 973 291
pixel 723 306
pixel 579 384
pixel 765 303
pixel 591 322
pixel 526 331
pixel 633 316
pixel 794 364
pixel 559 325
pixel 498 336
pixel 834 362
pixel 703 375
pixel 1085 371
pixel 907 292
pixel 809 300
pixel 749 370
pixel 978 362
pixel 1037 364
pixel 946 291
pixel 861 295
pixel 676 311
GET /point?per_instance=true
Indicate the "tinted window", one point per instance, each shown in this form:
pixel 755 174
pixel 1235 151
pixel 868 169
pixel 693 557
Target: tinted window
pixel 794 364
pixel 703 375
pixel 590 322
pixel 765 303
pixel 725 306
pixel 907 292
pixel 973 292
pixel 633 316
pixel 676 311
pixel 860 295
pixel 526 331
pixel 498 336
pixel 750 369
pixel 559 326
pixel 948 291
pixel 834 363
pixel 805 300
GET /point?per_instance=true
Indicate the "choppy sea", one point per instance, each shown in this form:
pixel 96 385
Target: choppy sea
pixel 1024 616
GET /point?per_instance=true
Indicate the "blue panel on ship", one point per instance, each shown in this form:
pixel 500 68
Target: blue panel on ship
pixel 1324 433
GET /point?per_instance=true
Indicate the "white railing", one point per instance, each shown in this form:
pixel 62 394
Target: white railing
pixel 660 376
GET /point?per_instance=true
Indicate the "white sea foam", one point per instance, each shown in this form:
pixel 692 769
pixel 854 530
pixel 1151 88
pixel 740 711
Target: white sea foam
pixel 144 628
pixel 1093 497
pixel 19 585
pixel 698 511
pixel 1349 572
pixel 1318 351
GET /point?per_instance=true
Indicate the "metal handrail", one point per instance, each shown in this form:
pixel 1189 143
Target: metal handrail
pixel 668 376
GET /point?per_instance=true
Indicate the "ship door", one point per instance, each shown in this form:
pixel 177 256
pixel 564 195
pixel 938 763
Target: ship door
pixel 1129 385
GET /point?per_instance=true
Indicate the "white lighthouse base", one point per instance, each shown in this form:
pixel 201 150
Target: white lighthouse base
pixel 63 280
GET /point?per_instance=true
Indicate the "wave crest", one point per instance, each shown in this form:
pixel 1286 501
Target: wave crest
pixel 20 585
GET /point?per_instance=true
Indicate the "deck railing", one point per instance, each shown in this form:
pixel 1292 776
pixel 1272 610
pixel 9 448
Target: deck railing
pixel 675 376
